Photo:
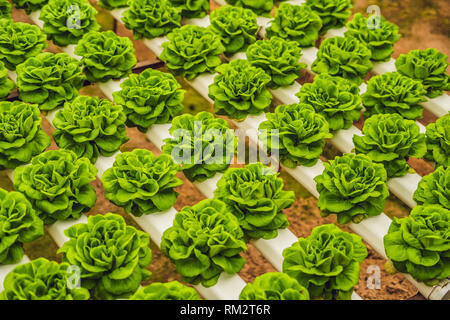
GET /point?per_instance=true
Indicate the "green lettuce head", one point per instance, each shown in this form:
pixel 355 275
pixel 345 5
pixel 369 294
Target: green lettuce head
pixel 393 93
pixel 5 9
pixel 278 58
pixel 49 79
pixel 204 241
pixel 29 5
pixel 42 279
pixel 345 57
pixel 333 13
pixel 327 263
pixel 353 187
pixel 141 182
pixel 66 21
pixel 420 244
pixel 240 89
pixel 6 84
pixel 151 18
pixel 151 97
pixel 236 26
pixel 111 255
pixel 296 132
pixel 390 140
pixel 21 135
pixel 260 7
pixel 427 66
pixel 19 224
pixel 90 126
pixel 112 4
pixel 58 185
pixel 274 286
pixel 202 144
pixel 255 195
pixel 166 291
pixel 380 40
pixel 295 23
pixel 434 188
pixel 191 8
pixel 19 41
pixel 438 141
pixel 192 50
pixel 335 98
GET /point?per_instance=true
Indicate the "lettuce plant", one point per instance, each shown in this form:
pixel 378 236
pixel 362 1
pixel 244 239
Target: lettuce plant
pixel 151 97
pixel 192 50
pixel 255 195
pixel 278 58
pixel 335 98
pixel 191 8
pixel 49 79
pixel 151 18
pixel 327 263
pixel 166 291
pixel 204 241
pixel 111 255
pixel 21 135
pixel 90 126
pixel 5 9
pixel 390 140
pixel 236 26
pixel 353 187
pixel 19 224
pixel 393 93
pixel 105 56
pixel 6 84
pixel 113 4
pixel 41 279
pixel 438 141
pixel 345 57
pixel 58 185
pixel 202 144
pixel 29 5
pixel 295 23
pixel 380 40
pixel 66 21
pixel 419 244
pixel 19 41
pixel 297 132
pixel 434 188
pixel 240 89
pixel 333 13
pixel 260 7
pixel 141 182
pixel 274 286
pixel 427 66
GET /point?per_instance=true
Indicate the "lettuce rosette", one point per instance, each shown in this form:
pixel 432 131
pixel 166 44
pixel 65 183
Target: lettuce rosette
pixel 333 13
pixel 151 18
pixel 260 7
pixel 141 182
pixel 390 140
pixel 240 89
pixel 41 279
pixel 5 9
pixel 296 23
pixel 21 134
pixel 49 79
pixel 90 127
pixel 255 195
pixel 166 291
pixel 6 84
pixel 236 26
pixel 434 188
pixel 204 241
pixel 274 286
pixel 335 98
pixel 19 224
pixel 353 187
pixel 278 58
pixel 427 66
pixel 58 185
pixel 327 263
pixel 151 97
pixel 111 255
pixel 420 244
pixel 29 5
pixel 191 8
pixel 296 133
pixel 202 144
pixel 392 93
pixel 438 141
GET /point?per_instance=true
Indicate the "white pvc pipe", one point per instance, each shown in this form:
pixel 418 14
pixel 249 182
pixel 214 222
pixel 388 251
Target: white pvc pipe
pixel 5 269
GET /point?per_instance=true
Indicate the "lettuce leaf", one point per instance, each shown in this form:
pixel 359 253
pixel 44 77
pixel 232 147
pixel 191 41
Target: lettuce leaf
pixel 333 13
pixel 6 84
pixel 5 9
pixel 438 141
pixel 29 5
pixel 172 290
pixel 260 7
pixel 191 8
pixel 434 188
